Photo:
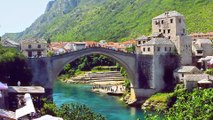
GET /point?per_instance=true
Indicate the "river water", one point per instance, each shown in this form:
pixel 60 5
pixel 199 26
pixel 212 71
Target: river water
pixel 109 106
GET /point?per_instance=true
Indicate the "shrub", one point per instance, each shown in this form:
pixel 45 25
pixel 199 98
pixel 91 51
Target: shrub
pixel 209 71
pixel 71 112
pixel 190 105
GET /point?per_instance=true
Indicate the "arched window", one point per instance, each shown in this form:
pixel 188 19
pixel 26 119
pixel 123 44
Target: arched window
pixel 171 20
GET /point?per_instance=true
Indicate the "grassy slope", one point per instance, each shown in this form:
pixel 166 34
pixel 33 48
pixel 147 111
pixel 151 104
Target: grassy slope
pixel 118 20
pixel 121 19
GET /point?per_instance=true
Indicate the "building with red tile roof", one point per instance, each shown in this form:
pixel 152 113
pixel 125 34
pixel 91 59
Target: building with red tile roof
pixel 208 35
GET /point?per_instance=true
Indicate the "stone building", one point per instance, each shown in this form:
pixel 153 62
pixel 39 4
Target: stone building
pixel 182 71
pixel 34 48
pixel 193 80
pixel 158 46
pixel 79 46
pixel 172 25
pixel 202 48
pixel 139 42
pixel 10 44
pixel 208 35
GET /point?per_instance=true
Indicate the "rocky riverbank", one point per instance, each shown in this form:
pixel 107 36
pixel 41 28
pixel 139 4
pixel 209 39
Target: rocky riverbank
pixel 158 102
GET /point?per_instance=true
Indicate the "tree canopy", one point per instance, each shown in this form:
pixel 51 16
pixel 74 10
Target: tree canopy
pixel 13 67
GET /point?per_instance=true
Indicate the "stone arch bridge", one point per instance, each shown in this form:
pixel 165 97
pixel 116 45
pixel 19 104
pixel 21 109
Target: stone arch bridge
pixel 145 72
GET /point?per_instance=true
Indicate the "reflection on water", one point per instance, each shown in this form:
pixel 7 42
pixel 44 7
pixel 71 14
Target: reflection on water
pixel 111 107
pixel 133 111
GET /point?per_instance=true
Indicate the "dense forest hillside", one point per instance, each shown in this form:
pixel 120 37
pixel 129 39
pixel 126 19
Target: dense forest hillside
pixel 114 20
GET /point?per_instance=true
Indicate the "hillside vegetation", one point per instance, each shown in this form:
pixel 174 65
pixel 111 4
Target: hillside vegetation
pixel 195 105
pixel 113 20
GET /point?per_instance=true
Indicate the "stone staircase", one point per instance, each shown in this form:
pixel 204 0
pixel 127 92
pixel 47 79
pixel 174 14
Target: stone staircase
pixel 99 76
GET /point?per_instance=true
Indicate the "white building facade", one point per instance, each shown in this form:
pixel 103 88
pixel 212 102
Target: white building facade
pixel 34 48
pixel 157 46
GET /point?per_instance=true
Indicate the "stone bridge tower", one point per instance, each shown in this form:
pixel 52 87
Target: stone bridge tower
pixel 172 25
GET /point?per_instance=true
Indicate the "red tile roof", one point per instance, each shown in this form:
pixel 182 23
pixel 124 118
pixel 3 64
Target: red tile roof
pixel 129 42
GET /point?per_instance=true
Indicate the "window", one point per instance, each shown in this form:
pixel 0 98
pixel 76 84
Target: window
pixel 169 30
pixel 162 22
pixel 165 48
pixel 184 31
pixel 159 30
pixel 39 53
pixel 29 46
pixel 144 42
pixel 182 75
pixel 199 51
pixel 144 49
pixel 158 48
pixel 169 37
pixel 30 54
pixel 39 46
pixel 171 20
pixel 170 49
pixel 139 42
pixel 156 22
pixel 164 31
pixel 179 20
pixel 148 49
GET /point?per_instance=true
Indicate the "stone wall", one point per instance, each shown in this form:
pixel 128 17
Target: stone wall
pixel 145 70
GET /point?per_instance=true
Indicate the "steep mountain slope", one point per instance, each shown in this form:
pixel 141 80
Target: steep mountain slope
pixel 115 20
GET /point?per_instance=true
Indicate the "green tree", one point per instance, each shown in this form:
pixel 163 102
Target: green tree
pixel 71 112
pixel 78 112
pixel 13 67
pixel 209 71
pixel 190 105
pixel 50 53
pixel 48 41
pixel 131 49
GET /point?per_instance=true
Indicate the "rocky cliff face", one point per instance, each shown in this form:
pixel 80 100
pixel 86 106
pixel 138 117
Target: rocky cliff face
pixel 55 10
pixel 61 6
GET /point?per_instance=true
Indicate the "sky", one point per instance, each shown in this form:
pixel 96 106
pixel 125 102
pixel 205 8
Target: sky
pixel 17 15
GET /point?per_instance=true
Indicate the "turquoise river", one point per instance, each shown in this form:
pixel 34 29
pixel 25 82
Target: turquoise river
pixel 110 107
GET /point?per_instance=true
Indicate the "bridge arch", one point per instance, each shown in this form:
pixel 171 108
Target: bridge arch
pixel 150 80
pixel 126 60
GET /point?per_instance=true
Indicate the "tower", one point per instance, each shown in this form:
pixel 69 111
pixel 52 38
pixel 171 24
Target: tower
pixel 172 25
